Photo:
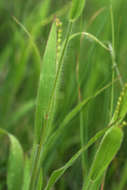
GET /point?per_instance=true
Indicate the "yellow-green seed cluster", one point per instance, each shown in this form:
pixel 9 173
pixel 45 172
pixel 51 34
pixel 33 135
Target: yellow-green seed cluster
pixel 59 36
pixel 120 99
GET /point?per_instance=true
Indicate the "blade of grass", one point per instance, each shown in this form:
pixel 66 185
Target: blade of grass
pixel 48 107
pixel 20 112
pixel 26 176
pixel 15 163
pixel 59 172
pixel 38 56
pixel 96 184
pixel 113 62
pixel 76 9
pixel 113 73
pixel 47 77
pixel 40 181
pixel 108 148
pixel 123 178
pixel 113 57
pixel 83 130
pixel 54 137
pixel 90 36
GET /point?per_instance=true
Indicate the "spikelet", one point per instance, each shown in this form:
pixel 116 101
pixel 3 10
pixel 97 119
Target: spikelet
pixel 121 107
pixel 59 39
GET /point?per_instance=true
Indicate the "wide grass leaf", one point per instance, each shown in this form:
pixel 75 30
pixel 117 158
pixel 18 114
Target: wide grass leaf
pixel 15 167
pixel 59 172
pixel 15 163
pixel 47 77
pixel 107 150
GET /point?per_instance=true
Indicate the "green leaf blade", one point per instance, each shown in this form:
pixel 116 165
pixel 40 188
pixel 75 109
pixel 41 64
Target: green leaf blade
pixel 47 77
pixel 16 165
pixel 59 172
pixel 108 148
pixel 76 9
pixel 26 176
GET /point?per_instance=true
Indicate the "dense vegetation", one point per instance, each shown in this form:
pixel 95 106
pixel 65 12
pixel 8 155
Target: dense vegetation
pixel 63 95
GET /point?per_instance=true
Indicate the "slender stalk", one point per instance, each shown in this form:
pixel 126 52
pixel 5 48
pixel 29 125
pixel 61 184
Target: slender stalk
pixel 113 76
pixel 113 61
pixel 103 181
pixel 30 38
pixel 90 36
pixel 37 160
pixel 83 131
pixel 114 64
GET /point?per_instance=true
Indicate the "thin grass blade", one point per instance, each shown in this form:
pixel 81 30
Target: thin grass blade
pixel 26 175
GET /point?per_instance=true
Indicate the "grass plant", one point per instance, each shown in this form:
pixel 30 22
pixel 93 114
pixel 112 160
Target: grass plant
pixel 63 95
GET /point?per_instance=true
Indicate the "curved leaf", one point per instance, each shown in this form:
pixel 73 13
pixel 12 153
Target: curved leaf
pixel 15 163
pixel 59 172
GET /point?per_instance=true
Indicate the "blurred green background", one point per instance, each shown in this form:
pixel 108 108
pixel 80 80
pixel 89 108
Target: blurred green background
pixel 19 75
